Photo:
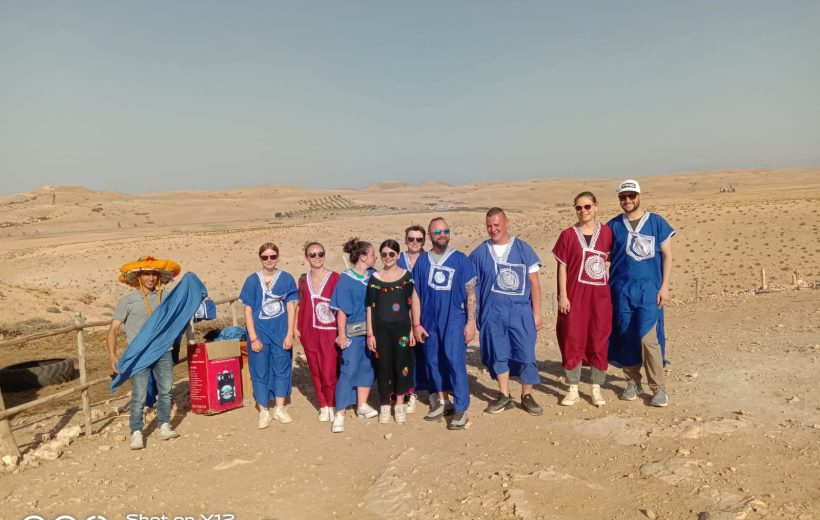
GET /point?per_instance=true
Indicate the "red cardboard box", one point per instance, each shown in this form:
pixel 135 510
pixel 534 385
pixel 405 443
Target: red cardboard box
pixel 214 376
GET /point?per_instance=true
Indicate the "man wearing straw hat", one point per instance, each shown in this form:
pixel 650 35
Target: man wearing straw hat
pixel 148 276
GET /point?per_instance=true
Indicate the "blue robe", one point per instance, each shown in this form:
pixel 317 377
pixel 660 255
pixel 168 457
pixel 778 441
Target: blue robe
pixel 506 324
pixel 635 277
pixel 404 261
pixel 161 329
pixel 442 289
pixel 271 368
pixel 355 362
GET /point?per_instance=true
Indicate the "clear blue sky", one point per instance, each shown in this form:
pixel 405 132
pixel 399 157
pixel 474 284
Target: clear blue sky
pixel 151 96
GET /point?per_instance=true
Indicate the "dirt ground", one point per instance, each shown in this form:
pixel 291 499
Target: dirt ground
pixel 740 438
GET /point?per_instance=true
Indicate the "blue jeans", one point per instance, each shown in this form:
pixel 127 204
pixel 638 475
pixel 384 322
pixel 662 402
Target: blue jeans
pixel 163 372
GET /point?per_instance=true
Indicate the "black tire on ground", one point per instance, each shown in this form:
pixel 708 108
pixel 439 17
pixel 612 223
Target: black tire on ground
pixel 36 374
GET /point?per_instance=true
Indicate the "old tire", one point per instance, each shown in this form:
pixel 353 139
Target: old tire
pixel 36 374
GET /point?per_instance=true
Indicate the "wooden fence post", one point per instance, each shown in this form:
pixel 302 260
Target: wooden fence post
pixel 6 436
pixel 78 318
pixel 763 278
pixel 233 313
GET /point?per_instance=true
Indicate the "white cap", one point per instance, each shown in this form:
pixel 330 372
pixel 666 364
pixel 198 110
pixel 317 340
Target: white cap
pixel 629 185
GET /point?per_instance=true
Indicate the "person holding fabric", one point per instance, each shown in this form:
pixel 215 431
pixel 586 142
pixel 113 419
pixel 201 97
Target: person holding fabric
pixel 269 296
pixel 445 322
pixel 640 272
pixel 316 328
pixel 149 276
pixel 414 237
pixel 584 306
pixel 356 372
pixel 509 311
pixel 390 332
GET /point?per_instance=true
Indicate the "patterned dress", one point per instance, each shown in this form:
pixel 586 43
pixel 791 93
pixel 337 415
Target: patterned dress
pixel 317 330
pixel 390 315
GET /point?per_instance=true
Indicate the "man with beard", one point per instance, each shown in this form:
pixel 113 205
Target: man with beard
pixel 444 320
pixel 639 279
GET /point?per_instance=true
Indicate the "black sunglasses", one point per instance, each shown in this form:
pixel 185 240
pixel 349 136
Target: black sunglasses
pixel 268 257
pixel 389 254
pixel 585 206
pixel 420 240
pixel 320 254
pixel 630 196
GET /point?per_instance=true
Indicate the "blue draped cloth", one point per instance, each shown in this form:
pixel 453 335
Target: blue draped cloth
pixel 159 332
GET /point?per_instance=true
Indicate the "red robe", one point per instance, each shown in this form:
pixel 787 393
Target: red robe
pixel 316 322
pixel 583 334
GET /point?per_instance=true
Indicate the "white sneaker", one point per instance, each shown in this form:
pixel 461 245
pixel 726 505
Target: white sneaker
pixel 401 413
pixel 166 432
pixel 384 413
pixel 338 424
pixel 282 415
pixel 325 414
pixel 264 418
pixel 572 396
pixel 136 441
pixel 597 398
pixel 411 404
pixel 366 412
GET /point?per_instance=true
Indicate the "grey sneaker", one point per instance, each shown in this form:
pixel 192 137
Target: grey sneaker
pixel 504 402
pixel 459 421
pixel 166 432
pixel 529 404
pixel 659 398
pixel 442 408
pixel 136 441
pixel 631 392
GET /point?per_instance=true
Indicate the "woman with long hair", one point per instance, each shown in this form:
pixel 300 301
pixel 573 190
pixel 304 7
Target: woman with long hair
pixel 584 304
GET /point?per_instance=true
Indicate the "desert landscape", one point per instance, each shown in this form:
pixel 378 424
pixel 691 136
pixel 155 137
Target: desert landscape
pixel 740 438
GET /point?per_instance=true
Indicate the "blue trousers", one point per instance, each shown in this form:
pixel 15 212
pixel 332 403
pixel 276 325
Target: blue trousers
pixel 508 339
pixel 445 355
pixel 271 372
pixel 355 370
pixel 163 373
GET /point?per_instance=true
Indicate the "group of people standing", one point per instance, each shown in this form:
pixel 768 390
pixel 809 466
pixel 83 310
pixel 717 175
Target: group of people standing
pixel 406 326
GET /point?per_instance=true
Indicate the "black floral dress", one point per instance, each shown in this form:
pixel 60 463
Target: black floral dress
pixel 390 316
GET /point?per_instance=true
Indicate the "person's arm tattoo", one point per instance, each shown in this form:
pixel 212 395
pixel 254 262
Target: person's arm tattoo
pixel 471 301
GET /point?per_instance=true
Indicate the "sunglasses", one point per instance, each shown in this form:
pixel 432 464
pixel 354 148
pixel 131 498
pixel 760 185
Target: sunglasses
pixel 320 254
pixel 419 240
pixel 630 196
pixel 585 206
pixel 268 257
pixel 440 231
pixel 389 254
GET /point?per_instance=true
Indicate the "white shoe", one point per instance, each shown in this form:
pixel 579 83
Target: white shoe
pixel 401 413
pixel 366 412
pixel 572 396
pixel 264 418
pixel 597 398
pixel 325 414
pixel 136 441
pixel 411 404
pixel 384 414
pixel 338 424
pixel 166 432
pixel 282 415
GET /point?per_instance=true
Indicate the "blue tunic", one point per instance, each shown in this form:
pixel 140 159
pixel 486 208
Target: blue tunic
pixel 506 324
pixel 442 290
pixel 271 368
pixel 355 362
pixel 404 260
pixel 635 279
